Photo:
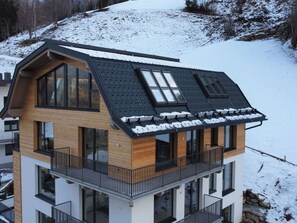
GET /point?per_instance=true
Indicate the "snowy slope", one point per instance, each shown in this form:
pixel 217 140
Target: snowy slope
pixel 265 71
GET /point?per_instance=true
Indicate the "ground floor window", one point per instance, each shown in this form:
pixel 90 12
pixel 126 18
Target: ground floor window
pixel 227 214
pixel 191 197
pixel 46 184
pixel 8 149
pixel 43 218
pixel 228 178
pixel 163 207
pixel 95 206
pixel 212 183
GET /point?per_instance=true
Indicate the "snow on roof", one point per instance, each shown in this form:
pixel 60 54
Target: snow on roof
pixel 135 59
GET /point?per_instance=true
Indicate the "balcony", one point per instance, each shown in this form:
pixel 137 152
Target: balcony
pixel 212 213
pixel 134 183
pixel 61 213
pixel 7 137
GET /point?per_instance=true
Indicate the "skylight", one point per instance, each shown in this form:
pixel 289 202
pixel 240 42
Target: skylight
pixel 211 85
pixel 162 87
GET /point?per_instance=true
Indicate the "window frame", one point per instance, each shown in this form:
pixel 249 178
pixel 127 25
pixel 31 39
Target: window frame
pixel 41 217
pixel 230 134
pixel 171 218
pixel 214 138
pixel 43 194
pixel 228 183
pixel 211 85
pixel 157 86
pixel 9 151
pixel 42 91
pixel 41 141
pixel 10 123
pixel 212 183
pixel 227 212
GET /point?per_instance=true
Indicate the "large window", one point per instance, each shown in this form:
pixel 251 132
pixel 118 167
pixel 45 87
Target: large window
pixel 45 136
pixel 43 218
pixel 68 87
pixel 162 87
pixel 165 150
pixel 192 197
pixel 46 184
pixel 11 125
pixel 230 137
pixel 8 149
pixel 227 214
pixel 95 206
pixel 228 178
pixel 211 85
pixel 163 207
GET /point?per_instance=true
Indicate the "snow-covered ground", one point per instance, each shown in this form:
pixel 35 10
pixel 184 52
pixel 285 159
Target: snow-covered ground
pixel 265 71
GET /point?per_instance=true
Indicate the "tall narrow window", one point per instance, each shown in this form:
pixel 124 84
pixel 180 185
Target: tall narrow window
pixel 228 178
pixel 214 136
pixel 51 92
pixel 212 183
pixel 60 85
pixel 95 96
pixel 45 136
pixel 230 137
pixel 227 214
pixel 46 184
pixel 192 197
pixel 163 207
pixel 83 89
pixel 72 86
pixel 165 151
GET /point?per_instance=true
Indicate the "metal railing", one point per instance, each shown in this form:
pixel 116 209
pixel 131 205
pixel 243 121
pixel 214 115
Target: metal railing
pixel 61 213
pixel 210 214
pixel 7 137
pixel 7 213
pixel 133 183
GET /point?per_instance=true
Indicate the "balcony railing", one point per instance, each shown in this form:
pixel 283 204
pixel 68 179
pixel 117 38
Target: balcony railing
pixel 7 137
pixel 7 213
pixel 134 183
pixel 212 212
pixel 61 213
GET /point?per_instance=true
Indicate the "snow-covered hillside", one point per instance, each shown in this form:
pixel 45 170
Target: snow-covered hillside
pixel 265 71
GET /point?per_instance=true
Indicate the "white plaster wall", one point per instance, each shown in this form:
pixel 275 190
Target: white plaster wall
pixel 119 210
pixel 30 203
pixel 69 192
pixel 235 197
pixel 3 157
pixel 143 210
pixel 179 202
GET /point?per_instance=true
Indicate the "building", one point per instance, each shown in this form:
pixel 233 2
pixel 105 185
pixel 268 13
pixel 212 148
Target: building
pixel 116 136
pixel 8 126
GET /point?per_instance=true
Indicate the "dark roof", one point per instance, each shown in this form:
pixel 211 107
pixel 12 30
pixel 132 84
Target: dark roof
pixel 126 98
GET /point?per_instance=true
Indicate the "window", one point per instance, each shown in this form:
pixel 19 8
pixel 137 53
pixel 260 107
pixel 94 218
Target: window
pixel 95 206
pixel 212 183
pixel 8 149
pixel 163 207
pixel 162 87
pixel 46 184
pixel 228 178
pixel 230 137
pixel 68 87
pixel 211 85
pixel 194 144
pixel 227 214
pixel 45 136
pixel 214 136
pixel 12 125
pixel 192 197
pixel 165 151
pixel 43 218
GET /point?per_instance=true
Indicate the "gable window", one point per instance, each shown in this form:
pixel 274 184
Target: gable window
pixel 165 151
pixel 12 125
pixel 163 207
pixel 46 184
pixel 162 87
pixel 228 178
pixel 8 149
pixel 68 87
pixel 45 136
pixel 211 85
pixel 230 137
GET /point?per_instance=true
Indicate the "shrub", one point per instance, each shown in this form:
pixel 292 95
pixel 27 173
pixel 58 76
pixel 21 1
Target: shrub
pixel 201 6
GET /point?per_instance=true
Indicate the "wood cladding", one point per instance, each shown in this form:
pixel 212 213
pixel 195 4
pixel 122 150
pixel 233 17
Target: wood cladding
pixel 17 187
pixel 239 142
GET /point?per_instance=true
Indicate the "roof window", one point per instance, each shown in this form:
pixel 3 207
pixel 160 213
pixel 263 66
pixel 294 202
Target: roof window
pixel 162 87
pixel 211 86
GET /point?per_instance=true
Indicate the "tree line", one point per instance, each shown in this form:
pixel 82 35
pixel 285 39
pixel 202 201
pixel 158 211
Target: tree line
pixel 26 15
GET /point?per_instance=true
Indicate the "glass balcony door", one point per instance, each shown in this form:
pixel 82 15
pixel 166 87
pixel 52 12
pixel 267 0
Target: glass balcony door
pixel 194 142
pixel 192 197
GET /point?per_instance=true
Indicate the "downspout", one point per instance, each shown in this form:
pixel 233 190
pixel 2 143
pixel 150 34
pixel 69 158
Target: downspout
pixel 255 126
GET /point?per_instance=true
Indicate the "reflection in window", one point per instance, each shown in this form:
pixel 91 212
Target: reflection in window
pixel 68 87
pixel 12 125
pixel 227 214
pixel 45 136
pixel 191 197
pixel 163 206
pixel 228 178
pixel 43 218
pixel 230 137
pixel 46 183
pixel 165 150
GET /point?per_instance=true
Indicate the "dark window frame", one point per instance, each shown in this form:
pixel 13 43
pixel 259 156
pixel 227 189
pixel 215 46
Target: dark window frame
pixel 42 92
pixel 227 214
pixel 10 124
pixel 171 160
pixel 230 134
pixel 212 183
pixel 231 174
pixel 178 100
pixel 9 149
pixel 171 218
pixel 41 217
pixel 211 85
pixel 44 195
pixel 44 144
pixel 214 136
